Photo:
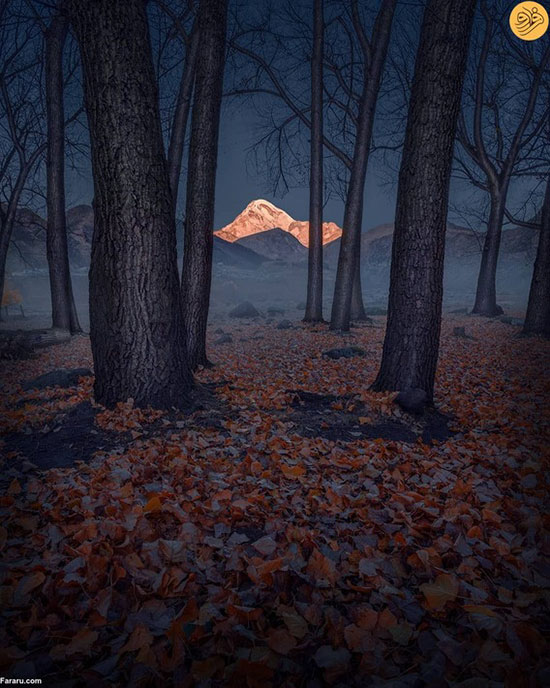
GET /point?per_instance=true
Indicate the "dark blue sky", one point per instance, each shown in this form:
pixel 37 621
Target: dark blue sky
pixel 238 184
pixel 237 180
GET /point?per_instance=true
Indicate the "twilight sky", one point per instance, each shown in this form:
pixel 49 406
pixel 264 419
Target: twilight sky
pixel 237 180
pixel 237 184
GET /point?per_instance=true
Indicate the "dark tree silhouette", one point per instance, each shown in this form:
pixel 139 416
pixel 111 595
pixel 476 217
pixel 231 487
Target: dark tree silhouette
pixel 201 176
pixel 64 313
pixel 136 324
pixel 537 318
pixel 503 132
pixel 22 142
pixel 411 344
pixel 351 118
pixel 348 282
pixel 314 304
pixel 183 103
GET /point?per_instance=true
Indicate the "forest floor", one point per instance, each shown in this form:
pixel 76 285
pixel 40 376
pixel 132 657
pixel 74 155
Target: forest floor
pixel 295 529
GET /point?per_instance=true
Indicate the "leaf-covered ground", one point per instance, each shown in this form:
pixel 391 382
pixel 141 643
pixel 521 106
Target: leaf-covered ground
pixel 244 546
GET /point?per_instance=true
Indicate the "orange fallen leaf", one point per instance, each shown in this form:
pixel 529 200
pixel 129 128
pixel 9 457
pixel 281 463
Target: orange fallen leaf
pixel 358 639
pixel 206 668
pixel 154 504
pixel 386 619
pixel 292 471
pixel 281 641
pixel 140 637
pixel 27 584
pixel 443 590
pixel 81 644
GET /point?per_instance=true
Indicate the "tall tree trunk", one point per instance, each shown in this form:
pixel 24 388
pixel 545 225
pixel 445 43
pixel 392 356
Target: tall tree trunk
pixel 201 176
pixel 314 305
pixel 6 229
pixel 357 307
pixel 537 318
pixel 64 313
pixel 179 125
pixel 136 324
pixel 411 344
pixel 9 214
pixel 499 169
pixel 347 272
pixel 486 293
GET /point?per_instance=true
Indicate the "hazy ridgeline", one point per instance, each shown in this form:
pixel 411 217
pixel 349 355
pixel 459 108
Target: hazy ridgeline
pixel 240 273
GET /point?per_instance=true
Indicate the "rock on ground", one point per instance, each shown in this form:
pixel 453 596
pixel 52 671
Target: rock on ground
pixel 244 310
pixel 63 377
pixel 344 352
pixel 412 400
pixel 284 325
pixel 224 339
pixel 508 320
pixel 461 333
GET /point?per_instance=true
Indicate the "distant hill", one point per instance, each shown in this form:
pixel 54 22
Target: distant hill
pixel 256 246
pixel 461 243
pixel 28 245
pixel 235 255
pixel 261 215
pixel 28 249
pixel 225 253
pixel 275 244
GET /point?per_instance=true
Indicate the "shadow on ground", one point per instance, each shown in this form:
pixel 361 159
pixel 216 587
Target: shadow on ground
pixel 347 419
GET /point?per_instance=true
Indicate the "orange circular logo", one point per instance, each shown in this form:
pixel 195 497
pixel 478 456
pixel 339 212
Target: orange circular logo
pixel 529 21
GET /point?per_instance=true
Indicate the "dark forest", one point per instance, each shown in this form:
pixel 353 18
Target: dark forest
pixel 242 448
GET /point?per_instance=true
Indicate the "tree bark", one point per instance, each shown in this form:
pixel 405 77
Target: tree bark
pixel 183 106
pixel 537 318
pixel 201 176
pixel 411 344
pixel 486 293
pixel 9 215
pixel 136 324
pixel 6 230
pixel 314 303
pixel 357 307
pixel 348 273
pixel 64 313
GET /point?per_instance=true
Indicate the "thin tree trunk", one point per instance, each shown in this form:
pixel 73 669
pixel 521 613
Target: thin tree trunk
pixel 136 324
pixel 357 308
pixel 183 106
pixel 64 313
pixel 6 230
pixel 486 299
pixel 411 344
pixel 537 318
pixel 9 215
pixel 497 170
pixel 314 304
pixel 201 176
pixel 347 272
